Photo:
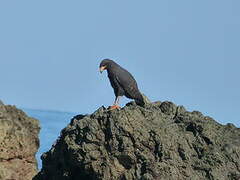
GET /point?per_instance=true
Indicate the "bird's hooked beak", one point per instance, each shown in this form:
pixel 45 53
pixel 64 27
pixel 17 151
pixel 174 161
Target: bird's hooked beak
pixel 102 68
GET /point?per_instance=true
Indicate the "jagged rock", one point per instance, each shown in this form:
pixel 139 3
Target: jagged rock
pixel 18 144
pixel 160 141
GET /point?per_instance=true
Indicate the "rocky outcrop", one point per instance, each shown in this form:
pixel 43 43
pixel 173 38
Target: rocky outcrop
pixel 18 144
pixel 160 141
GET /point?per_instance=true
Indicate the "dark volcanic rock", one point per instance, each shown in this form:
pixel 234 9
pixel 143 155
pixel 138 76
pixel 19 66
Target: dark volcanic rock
pixel 161 141
pixel 18 144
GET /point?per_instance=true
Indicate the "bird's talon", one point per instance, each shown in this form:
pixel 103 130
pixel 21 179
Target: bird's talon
pixel 114 107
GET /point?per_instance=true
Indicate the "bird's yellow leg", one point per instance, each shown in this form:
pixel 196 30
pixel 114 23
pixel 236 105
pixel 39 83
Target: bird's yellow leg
pixel 115 105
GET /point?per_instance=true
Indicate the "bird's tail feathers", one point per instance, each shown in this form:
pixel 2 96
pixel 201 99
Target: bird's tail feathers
pixel 140 100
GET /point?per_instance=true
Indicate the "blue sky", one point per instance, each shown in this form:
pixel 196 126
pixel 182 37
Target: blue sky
pixel 181 51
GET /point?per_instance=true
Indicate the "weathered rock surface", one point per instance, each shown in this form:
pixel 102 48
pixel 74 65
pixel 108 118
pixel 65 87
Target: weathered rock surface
pixel 18 144
pixel 161 141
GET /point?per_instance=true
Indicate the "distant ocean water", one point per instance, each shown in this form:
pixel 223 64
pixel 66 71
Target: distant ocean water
pixel 51 122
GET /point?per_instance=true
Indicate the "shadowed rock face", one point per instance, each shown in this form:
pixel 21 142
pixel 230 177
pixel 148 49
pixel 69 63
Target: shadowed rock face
pixel 18 144
pixel 160 141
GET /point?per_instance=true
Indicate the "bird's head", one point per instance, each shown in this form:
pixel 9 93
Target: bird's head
pixel 105 64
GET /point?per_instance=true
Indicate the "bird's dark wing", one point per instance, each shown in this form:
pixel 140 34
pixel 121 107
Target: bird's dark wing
pixel 128 84
pixel 118 90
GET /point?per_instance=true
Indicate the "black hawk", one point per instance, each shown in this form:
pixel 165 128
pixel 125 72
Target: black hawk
pixel 122 82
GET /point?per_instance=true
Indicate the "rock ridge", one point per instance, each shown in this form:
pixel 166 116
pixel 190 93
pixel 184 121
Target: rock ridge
pixel 159 141
pixel 19 143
